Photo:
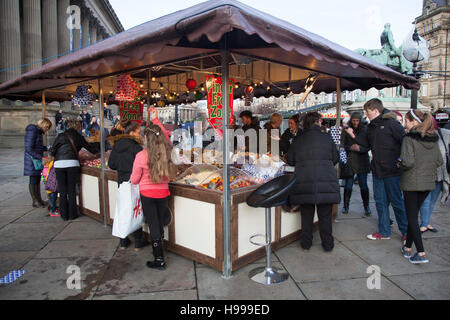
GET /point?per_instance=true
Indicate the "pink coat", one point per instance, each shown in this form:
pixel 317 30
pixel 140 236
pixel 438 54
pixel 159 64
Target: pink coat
pixel 141 176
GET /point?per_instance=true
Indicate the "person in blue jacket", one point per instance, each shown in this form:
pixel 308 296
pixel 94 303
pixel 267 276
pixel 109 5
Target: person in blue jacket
pixel 34 149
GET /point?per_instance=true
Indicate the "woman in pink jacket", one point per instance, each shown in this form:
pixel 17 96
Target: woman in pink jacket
pixel 152 170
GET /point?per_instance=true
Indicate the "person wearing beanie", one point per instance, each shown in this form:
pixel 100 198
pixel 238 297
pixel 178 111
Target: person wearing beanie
pixel 358 156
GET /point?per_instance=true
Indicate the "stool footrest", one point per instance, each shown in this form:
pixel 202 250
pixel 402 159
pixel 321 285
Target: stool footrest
pixel 259 244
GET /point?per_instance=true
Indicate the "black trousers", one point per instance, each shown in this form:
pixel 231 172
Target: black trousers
pixel 324 211
pixel 67 179
pixel 413 202
pixel 154 211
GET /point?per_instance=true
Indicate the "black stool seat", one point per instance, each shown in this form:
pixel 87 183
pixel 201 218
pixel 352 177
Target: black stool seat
pixel 273 193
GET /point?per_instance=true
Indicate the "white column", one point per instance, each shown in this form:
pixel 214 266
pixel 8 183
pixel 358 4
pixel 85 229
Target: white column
pixel 92 33
pixel 63 30
pixel 85 28
pixel 10 50
pixel 32 41
pixel 49 30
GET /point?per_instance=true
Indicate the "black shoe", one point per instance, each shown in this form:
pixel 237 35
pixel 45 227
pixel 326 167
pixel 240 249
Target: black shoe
pixel 124 243
pixel 365 199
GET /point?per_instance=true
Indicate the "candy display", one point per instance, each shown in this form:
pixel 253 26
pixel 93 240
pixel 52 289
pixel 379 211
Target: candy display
pixel 90 160
pixel 198 174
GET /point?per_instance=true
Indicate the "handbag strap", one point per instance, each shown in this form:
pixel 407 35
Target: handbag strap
pixel 73 145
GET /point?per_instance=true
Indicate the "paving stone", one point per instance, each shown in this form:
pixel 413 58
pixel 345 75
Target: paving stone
pixel 211 286
pixel 166 295
pixel 40 215
pixel 317 265
pixel 353 229
pixel 128 274
pixel 21 200
pixel 425 286
pixel 86 231
pixel 79 248
pixel 28 236
pixel 11 261
pixel 353 289
pixel 8 215
pixel 386 254
pixel 47 280
pixel 438 246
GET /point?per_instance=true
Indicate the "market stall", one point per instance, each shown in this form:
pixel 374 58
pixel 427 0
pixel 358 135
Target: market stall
pixel 227 39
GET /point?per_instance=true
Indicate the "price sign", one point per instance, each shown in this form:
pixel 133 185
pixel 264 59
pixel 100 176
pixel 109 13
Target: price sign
pixel 215 102
pixel 133 110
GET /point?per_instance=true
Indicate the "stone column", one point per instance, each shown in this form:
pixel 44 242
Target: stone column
pixel 32 36
pixel 92 33
pixel 10 49
pixel 63 30
pixel 85 28
pixel 49 30
pixel 76 39
pixel 100 36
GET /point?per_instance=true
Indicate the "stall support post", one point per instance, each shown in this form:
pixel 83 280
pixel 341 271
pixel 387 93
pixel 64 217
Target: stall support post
pixel 44 114
pixel 149 93
pixel 338 102
pixel 102 147
pixel 226 197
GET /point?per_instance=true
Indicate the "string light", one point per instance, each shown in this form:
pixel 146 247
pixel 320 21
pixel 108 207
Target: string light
pixel 153 79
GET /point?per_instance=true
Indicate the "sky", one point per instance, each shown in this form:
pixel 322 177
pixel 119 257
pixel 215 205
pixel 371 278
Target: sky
pixel 350 23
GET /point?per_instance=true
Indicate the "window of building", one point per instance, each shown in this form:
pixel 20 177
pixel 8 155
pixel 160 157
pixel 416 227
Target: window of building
pixel 424 90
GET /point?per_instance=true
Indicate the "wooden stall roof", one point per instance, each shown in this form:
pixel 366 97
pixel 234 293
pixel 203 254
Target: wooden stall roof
pixel 196 32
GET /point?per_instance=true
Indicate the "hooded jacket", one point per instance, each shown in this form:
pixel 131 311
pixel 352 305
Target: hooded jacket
pixel 420 158
pixel 123 154
pixel 359 159
pixel 314 155
pixel 62 149
pixel 384 137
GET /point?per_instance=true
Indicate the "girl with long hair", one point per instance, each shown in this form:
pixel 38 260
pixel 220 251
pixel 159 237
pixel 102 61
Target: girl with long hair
pixel 152 170
pixel 420 157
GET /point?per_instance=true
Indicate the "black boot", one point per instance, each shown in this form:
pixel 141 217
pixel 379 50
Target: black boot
pixel 347 196
pixel 31 189
pixel 365 199
pixel 159 262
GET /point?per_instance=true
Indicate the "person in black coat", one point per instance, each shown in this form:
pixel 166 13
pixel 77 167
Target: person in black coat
pixel 384 137
pixel 314 155
pixel 125 148
pixel 289 135
pixel 34 149
pixel 67 166
pixel 358 157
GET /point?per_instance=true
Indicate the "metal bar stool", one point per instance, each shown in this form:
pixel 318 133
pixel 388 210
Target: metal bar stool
pixel 271 194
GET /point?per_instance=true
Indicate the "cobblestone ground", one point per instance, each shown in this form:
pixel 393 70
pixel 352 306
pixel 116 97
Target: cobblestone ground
pixel 46 248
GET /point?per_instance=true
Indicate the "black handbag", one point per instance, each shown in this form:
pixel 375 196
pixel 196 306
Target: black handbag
pixel 447 155
pixel 346 170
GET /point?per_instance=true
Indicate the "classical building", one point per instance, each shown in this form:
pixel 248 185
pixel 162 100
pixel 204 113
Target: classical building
pixel 433 26
pixel 35 32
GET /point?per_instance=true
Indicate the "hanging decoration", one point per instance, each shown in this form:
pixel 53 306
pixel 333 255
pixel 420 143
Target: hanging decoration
pixel 191 84
pixel 249 95
pixel 126 89
pixel 82 96
pixel 215 107
pixel 133 110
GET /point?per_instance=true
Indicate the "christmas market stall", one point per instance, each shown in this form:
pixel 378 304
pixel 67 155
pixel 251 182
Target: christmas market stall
pixel 213 43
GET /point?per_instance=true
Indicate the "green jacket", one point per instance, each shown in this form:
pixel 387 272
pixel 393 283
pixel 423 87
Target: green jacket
pixel 420 157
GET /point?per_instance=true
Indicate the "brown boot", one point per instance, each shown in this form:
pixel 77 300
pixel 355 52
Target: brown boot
pixel 43 204
pixel 31 189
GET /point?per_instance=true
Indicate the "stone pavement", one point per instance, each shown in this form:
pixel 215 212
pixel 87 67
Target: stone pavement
pixel 46 247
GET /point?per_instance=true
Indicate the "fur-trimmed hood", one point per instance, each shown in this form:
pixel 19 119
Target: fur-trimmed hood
pixel 427 141
pixel 389 115
pixel 113 139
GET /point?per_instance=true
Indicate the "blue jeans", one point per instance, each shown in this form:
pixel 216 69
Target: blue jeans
pixel 362 181
pixel 387 191
pixel 52 200
pixel 428 205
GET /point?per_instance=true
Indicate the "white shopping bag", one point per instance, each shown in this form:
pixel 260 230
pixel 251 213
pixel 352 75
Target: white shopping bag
pixel 129 215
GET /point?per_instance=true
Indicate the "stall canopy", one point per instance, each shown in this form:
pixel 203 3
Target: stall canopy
pixel 189 40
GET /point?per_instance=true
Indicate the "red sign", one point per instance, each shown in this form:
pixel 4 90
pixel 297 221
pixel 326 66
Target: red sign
pixel 133 110
pixel 215 103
